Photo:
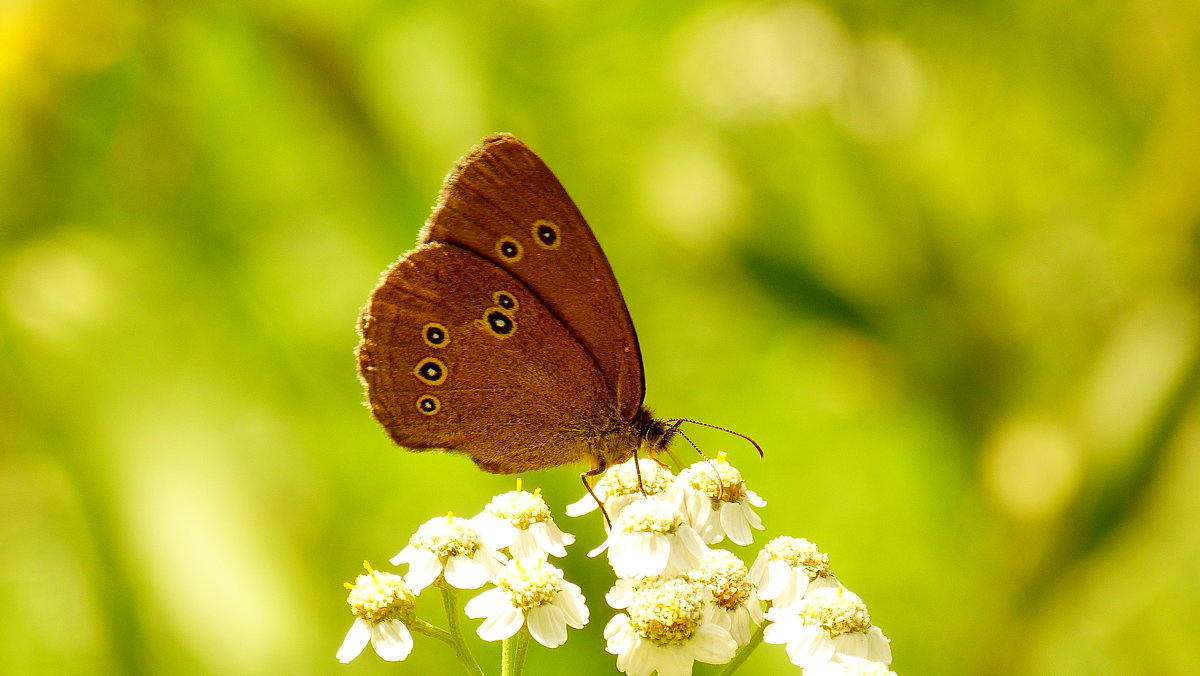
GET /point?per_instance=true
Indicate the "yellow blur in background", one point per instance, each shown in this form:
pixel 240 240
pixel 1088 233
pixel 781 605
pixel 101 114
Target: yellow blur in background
pixel 941 261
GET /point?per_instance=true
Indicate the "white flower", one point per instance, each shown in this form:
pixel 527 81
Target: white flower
pixel 382 606
pixel 827 625
pixel 620 486
pixel 850 668
pixel 450 546
pixel 737 606
pixel 787 568
pixel 717 502
pixel 520 521
pixel 534 592
pixel 667 626
pixel 651 537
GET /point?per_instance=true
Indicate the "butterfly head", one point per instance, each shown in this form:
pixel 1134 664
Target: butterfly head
pixel 655 434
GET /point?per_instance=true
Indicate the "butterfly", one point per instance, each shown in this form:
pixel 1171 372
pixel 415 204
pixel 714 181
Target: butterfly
pixel 504 335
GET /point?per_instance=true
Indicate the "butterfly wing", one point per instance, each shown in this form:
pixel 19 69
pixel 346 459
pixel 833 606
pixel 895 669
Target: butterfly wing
pixel 502 203
pixel 458 354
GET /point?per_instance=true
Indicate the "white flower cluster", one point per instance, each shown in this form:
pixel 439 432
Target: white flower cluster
pixel 679 600
pixel 456 553
pixel 683 601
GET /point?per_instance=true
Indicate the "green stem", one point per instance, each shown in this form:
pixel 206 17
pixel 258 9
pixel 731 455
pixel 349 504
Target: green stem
pixel 522 648
pixel 513 652
pixel 450 602
pixel 419 626
pixel 744 652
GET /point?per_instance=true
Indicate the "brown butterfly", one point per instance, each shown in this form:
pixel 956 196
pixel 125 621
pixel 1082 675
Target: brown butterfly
pixel 503 335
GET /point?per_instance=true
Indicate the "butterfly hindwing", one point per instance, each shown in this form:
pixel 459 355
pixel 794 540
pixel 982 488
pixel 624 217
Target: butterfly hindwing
pixel 505 205
pixel 460 355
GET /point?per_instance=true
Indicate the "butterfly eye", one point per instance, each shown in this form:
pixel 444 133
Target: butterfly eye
pixel 509 249
pixel 505 300
pixel 431 371
pixel 497 322
pixel 428 404
pixel 435 335
pixel 545 233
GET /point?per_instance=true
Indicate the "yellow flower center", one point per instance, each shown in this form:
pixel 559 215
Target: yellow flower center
pixel 529 587
pixel 799 553
pixel 520 508
pixel 623 479
pixel 649 516
pixel 447 537
pixel 836 615
pixel 726 577
pixel 377 596
pixel 717 479
pixel 667 611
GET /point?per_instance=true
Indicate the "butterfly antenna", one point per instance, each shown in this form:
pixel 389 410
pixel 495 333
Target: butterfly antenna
pixel 715 427
pixel 690 442
pixel 716 472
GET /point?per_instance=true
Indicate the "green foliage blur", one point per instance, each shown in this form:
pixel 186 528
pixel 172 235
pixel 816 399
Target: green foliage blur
pixel 941 260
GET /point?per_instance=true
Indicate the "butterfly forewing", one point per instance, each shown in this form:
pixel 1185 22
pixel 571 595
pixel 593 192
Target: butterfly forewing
pixel 458 354
pixel 505 205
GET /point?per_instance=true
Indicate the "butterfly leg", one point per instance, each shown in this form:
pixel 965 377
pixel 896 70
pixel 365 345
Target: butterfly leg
pixel 587 477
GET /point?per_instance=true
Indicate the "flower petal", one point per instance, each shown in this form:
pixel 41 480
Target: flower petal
pixel 772 579
pixel 391 640
pixel 356 639
pixel 559 535
pixel 733 521
pixel 497 533
pixel 548 626
pixel 502 625
pixel 571 602
pixel 781 629
pixel 712 644
pixel 852 644
pixel 684 545
pixel 462 572
pixel 879 648
pixel 488 603
pixel 620 595
pixel 484 566
pixel 674 660
pixel 404 556
pixel 603 546
pixel 524 546
pixel 654 551
pixel 752 516
pixel 548 539
pixel 639 554
pixel 739 624
pixel 423 568
pixel 641 658
pixel 583 505
pixel 810 645
pixel 794 590
pixel 618 633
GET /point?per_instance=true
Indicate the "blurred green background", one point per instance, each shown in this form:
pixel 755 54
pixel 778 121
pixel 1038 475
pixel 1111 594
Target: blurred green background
pixel 941 260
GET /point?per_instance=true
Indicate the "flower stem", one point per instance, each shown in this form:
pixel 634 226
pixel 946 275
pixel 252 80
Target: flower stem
pixel 744 652
pixel 419 626
pixel 450 602
pixel 506 657
pixel 513 651
pixel 522 648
